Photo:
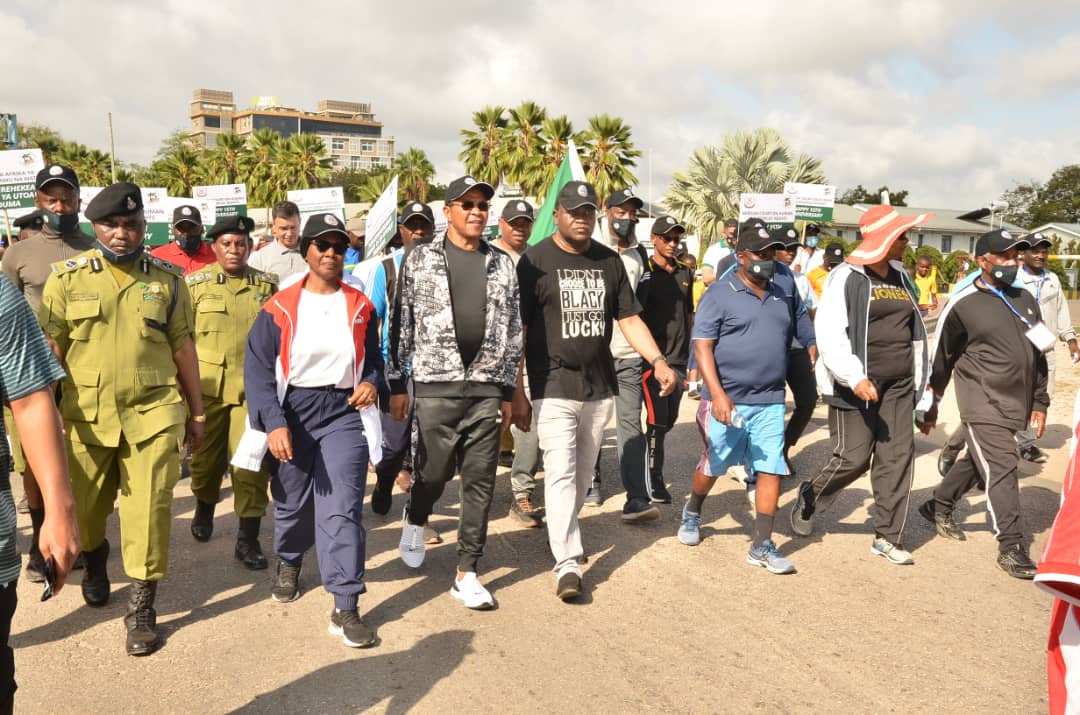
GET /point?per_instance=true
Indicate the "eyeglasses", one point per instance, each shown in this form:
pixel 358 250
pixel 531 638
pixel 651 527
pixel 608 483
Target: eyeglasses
pixel 323 246
pixel 669 239
pixel 470 205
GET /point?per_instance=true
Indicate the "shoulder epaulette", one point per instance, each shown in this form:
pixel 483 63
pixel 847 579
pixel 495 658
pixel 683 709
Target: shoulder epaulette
pixel 197 277
pixel 167 267
pixel 266 277
pixel 75 262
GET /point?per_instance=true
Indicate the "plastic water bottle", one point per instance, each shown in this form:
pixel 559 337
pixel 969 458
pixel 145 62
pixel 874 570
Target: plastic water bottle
pixel 737 420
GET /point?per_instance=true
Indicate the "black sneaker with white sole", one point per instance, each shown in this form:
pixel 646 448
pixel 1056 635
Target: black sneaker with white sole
pixel 286 586
pixel 658 492
pixel 943 521
pixel 638 509
pixel 351 628
pixel 802 511
pixel 1014 560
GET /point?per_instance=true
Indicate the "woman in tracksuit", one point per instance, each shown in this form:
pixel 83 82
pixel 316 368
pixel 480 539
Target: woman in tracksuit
pixel 873 362
pixel 311 373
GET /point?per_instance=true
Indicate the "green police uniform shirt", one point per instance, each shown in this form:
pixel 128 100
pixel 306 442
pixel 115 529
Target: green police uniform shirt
pixel 117 327
pixel 225 309
pixel 26 365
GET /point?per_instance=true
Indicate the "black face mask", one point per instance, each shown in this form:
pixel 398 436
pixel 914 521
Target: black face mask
pixel 189 244
pixel 623 227
pixel 113 257
pixel 1004 275
pixel 762 270
pixel 60 223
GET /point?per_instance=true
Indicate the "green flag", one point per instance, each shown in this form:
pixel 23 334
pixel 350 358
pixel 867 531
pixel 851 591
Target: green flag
pixel 545 219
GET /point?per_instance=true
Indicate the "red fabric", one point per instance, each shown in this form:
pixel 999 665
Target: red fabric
pixel 1059 573
pixel 286 304
pixel 173 254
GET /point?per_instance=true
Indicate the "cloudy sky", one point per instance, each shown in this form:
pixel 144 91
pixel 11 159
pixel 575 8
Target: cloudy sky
pixel 953 100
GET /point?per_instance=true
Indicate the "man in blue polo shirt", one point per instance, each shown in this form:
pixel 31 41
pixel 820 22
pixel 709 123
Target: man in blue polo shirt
pixel 742 332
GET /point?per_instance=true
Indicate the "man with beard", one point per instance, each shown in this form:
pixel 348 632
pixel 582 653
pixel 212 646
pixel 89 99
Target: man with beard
pixel 121 322
pixel 28 263
pixel 227 296
pixel 187 250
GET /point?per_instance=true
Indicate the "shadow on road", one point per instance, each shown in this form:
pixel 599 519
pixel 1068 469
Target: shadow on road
pixel 360 683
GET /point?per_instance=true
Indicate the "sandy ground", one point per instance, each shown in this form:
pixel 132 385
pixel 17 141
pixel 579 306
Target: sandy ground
pixel 664 627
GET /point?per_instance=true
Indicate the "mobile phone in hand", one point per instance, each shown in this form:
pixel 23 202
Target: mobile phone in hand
pixel 50 579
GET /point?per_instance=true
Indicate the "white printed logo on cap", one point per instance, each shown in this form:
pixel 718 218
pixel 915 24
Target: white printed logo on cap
pixel 186 211
pixel 762 233
pixel 790 233
pixel 521 206
pixel 417 207
pixel 671 221
pixel 469 181
pixel 330 220
pixel 131 204
pixel 55 170
pixel 582 191
pixel 1006 234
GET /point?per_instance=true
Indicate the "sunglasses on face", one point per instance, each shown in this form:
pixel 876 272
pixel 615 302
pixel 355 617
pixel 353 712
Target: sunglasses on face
pixel 322 246
pixel 669 239
pixel 470 205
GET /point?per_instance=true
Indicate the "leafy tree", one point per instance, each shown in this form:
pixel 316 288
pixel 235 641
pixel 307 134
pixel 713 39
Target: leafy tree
pixel 609 155
pixel 859 195
pixel 483 150
pixel 556 133
pixel 225 162
pixel 174 141
pixel 39 136
pixel 1034 203
pixel 179 171
pixel 300 162
pixel 707 191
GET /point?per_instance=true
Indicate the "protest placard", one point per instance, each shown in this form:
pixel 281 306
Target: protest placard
pixel 381 221
pixel 229 199
pixel 18 170
pixel 813 202
pixel 313 201
pixel 776 210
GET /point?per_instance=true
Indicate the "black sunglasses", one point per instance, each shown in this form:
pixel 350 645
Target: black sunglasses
pixel 322 245
pixel 470 205
pixel 669 239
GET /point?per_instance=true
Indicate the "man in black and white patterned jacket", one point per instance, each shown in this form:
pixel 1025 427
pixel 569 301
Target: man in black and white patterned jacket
pixel 457 332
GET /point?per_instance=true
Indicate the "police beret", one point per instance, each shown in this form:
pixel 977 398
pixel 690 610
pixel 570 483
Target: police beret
pixel 232 224
pixel 186 212
pixel 32 220
pixel 120 199
pixel 57 172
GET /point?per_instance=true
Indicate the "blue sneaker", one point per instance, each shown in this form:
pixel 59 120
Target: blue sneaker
pixel 690 528
pixel 768 557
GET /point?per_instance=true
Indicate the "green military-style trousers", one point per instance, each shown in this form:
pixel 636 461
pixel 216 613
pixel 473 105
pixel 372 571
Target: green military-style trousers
pixel 224 427
pixel 144 474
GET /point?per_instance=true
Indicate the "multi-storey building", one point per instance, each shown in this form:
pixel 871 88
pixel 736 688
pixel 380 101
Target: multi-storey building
pixel 352 137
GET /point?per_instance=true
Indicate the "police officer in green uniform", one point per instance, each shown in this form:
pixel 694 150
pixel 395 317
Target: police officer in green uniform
pixel 227 296
pixel 121 321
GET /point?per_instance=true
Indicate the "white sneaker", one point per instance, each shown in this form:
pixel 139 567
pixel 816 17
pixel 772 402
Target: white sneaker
pixel 472 593
pixel 412 544
pixel 894 553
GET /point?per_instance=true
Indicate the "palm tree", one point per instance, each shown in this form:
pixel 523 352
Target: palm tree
pixel 609 155
pixel 707 192
pixel 226 161
pixel 374 184
pixel 415 173
pixel 258 165
pixel 555 135
pixel 96 169
pixel 483 152
pixel 179 171
pixel 524 145
pixel 301 163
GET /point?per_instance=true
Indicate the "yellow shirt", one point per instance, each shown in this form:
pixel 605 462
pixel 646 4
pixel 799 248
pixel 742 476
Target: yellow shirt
pixel 817 279
pixel 927 286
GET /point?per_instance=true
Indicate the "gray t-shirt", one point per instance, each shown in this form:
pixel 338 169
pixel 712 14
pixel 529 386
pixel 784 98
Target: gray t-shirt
pixel 26 365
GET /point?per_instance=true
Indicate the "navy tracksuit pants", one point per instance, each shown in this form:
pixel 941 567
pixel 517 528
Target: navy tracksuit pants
pixel 319 495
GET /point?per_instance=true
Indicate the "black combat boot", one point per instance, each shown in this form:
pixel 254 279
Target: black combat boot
pixel 248 551
pixel 95 582
pixel 141 619
pixel 35 563
pixel 202 524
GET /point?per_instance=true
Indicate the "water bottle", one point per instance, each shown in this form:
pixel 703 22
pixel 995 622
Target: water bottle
pixel 737 420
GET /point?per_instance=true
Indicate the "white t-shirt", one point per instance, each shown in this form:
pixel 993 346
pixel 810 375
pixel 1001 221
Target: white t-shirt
pixel 322 346
pixel 714 254
pixel 805 262
pixel 349 278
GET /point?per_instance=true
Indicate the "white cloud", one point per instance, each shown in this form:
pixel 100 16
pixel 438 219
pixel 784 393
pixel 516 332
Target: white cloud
pixel 836 78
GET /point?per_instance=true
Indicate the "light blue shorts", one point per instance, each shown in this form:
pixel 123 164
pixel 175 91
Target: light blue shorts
pixel 760 443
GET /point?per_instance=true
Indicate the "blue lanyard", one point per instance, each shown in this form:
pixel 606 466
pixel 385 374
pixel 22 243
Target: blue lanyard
pixel 1000 294
pixel 1038 291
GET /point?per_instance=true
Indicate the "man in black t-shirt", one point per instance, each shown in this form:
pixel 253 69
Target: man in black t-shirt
pixel 572 288
pixel 667 306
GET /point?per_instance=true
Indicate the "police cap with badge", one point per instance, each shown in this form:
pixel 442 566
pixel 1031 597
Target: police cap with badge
pixel 241 225
pixel 120 199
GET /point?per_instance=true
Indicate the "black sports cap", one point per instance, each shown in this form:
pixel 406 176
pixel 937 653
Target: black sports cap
pixel 186 213
pixel 518 209
pixel 57 172
pixel 415 208
pixel 664 225
pixel 576 194
pixel 462 185
pixel 756 239
pixel 834 254
pixel 623 196
pixel 998 242
pixel 788 236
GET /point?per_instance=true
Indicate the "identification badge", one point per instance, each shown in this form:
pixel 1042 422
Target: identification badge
pixel 1041 337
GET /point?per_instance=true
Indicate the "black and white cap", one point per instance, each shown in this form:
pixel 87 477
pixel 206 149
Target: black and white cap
pixel 756 239
pixel 789 236
pixel 461 186
pixel 664 225
pixel 623 196
pixel 415 208
pixel 998 242
pixel 1037 239
pixel 186 213
pixel 518 209
pixel 57 172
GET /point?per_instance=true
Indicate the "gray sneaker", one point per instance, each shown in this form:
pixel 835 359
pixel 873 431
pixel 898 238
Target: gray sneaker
pixel 893 552
pixel 690 528
pixel 802 511
pixel 769 558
